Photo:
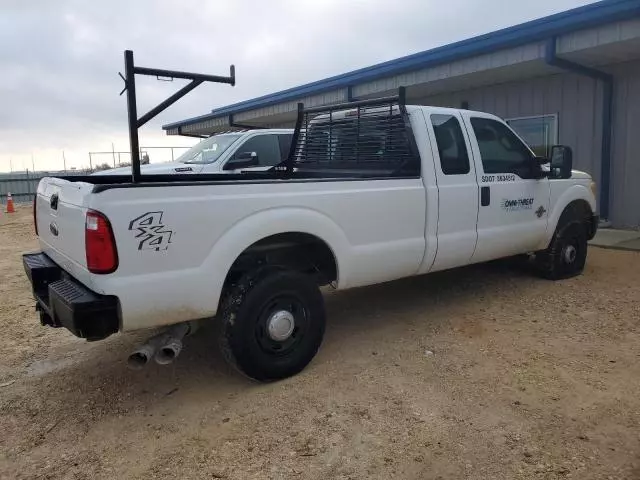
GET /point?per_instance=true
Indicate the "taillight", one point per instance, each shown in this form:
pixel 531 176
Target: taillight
pixel 100 245
pixel 35 220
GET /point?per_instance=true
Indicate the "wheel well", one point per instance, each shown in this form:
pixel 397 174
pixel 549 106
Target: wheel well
pixel 577 209
pixel 301 252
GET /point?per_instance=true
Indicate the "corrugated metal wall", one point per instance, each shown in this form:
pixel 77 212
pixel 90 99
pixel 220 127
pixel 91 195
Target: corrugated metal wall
pixel 625 175
pixel 22 185
pixel 578 102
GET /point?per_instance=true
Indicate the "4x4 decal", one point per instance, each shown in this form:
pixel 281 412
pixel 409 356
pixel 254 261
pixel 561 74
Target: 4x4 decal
pixel 153 234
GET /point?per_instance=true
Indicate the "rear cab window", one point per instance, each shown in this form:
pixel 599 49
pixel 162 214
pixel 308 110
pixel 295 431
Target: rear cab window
pixel 368 142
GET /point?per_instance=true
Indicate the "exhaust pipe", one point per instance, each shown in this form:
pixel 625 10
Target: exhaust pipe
pixel 143 354
pixel 171 344
pixel 163 347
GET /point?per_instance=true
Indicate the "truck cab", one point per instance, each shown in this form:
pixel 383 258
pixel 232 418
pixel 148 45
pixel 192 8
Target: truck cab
pixel 495 197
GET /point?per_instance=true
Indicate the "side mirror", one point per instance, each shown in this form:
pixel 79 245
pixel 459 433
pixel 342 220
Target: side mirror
pixel 541 160
pixel 561 161
pixel 242 160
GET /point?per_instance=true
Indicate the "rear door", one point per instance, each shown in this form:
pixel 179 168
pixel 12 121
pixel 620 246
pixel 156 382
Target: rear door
pixel 514 203
pixel 457 190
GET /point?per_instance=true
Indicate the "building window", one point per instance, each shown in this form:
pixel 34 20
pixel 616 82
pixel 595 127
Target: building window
pixel 540 132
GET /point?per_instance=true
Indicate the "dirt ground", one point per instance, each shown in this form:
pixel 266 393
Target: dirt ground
pixel 483 373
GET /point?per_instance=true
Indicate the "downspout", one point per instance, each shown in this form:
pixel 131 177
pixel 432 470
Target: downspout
pixel 607 114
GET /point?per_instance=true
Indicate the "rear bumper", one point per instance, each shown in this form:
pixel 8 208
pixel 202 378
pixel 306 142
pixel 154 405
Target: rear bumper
pixel 593 226
pixel 63 302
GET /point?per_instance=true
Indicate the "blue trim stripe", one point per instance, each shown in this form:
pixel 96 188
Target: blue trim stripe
pixel 598 13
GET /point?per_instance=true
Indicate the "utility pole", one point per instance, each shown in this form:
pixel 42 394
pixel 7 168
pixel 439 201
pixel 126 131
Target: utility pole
pixel 64 162
pixel 113 154
pixel 90 164
pixel 11 165
pixel 33 165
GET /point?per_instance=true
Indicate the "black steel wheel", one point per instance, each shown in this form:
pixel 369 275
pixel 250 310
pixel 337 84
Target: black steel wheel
pixel 566 255
pixel 272 323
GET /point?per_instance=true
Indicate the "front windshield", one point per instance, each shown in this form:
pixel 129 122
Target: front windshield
pixel 208 150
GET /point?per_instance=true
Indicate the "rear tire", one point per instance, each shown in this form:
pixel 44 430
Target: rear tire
pixel 273 322
pixel 566 255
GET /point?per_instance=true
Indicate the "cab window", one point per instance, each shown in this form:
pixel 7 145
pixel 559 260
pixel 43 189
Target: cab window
pixel 501 150
pixel 454 159
pixel 265 146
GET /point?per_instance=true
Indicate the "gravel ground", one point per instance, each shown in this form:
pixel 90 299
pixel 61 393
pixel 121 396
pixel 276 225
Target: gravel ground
pixel 482 373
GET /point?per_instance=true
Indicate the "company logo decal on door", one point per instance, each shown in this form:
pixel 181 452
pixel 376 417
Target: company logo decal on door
pixel 517 204
pixel 151 232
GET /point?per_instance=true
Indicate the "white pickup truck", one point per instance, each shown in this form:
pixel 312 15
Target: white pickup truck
pixel 371 191
pixel 233 152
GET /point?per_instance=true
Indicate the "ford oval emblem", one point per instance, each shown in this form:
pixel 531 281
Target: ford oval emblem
pixel 54 229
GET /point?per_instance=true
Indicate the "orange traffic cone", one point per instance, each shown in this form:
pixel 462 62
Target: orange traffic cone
pixel 10 207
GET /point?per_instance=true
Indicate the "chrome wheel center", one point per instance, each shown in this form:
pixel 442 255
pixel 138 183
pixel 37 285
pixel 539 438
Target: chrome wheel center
pixel 280 325
pixel 569 254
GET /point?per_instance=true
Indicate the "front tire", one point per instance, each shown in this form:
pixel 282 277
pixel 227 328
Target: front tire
pixel 272 323
pixel 566 255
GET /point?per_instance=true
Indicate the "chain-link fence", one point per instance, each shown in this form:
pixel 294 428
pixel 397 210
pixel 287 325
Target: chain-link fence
pixel 107 160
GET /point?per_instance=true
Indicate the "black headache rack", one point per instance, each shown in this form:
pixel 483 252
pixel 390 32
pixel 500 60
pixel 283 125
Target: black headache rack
pixel 364 138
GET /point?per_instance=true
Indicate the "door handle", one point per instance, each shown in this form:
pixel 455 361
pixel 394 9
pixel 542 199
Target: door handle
pixel 485 196
pixel 53 201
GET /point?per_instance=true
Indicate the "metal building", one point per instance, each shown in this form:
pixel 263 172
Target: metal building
pixel 571 78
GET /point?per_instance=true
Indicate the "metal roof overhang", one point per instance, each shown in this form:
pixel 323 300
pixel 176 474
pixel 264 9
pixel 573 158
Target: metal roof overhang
pixel 599 34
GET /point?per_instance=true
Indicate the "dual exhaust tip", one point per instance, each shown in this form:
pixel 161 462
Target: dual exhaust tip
pixel 164 348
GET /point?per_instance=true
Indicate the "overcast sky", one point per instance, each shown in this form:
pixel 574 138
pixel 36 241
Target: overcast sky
pixel 59 59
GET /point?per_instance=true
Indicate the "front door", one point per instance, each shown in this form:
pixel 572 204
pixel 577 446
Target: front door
pixel 514 204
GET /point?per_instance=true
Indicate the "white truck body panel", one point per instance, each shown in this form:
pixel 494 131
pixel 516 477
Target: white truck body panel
pixel 378 230
pixel 203 246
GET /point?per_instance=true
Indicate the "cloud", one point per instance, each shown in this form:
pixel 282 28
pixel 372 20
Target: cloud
pixel 59 60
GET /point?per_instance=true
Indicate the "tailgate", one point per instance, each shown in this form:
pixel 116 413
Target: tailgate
pixel 60 215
